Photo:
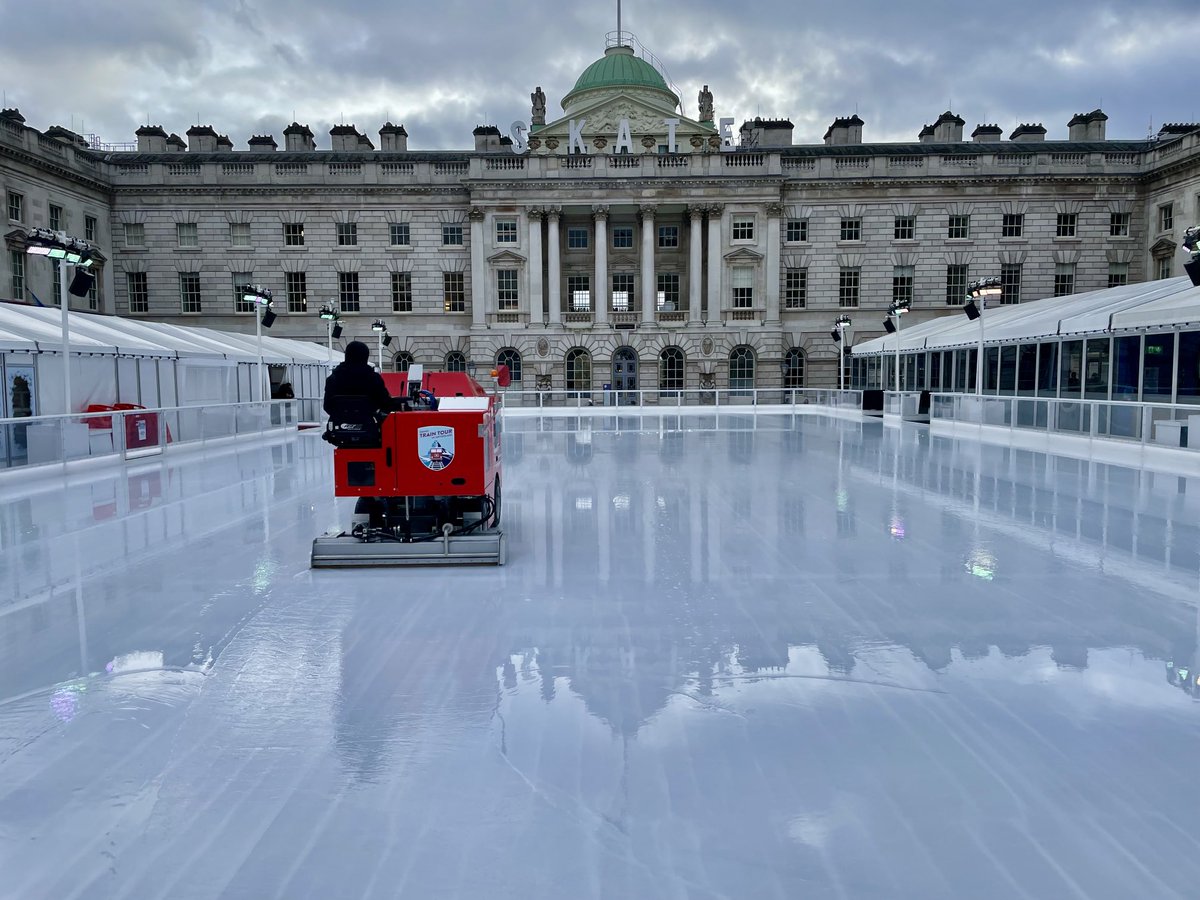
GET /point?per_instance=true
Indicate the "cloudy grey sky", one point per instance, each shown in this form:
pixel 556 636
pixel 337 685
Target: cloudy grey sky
pixel 246 66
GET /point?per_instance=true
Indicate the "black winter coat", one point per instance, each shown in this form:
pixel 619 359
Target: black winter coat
pixel 356 380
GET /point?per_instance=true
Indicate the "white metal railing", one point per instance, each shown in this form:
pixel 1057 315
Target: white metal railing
pixel 36 441
pixel 515 398
pixel 1158 424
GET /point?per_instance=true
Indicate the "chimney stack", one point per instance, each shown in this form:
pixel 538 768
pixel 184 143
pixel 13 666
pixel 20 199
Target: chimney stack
pixel 393 138
pixel 298 137
pixel 844 131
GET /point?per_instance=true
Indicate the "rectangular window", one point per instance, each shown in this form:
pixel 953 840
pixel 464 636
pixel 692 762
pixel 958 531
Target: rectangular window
pixel 577 238
pixel 1118 224
pixel 622 237
pixel 93 294
pixel 239 234
pixel 452 235
pixel 959 228
pixel 135 234
pixel 89 229
pixel 743 287
pixel 1013 225
pixel 848 279
pixel 956 284
pixel 743 228
pixel 904 228
pixel 402 292
pixel 189 292
pixel 296 286
pixel 506 231
pixel 1118 274
pixel 398 234
pixel 668 236
pixel 293 234
pixel 17 258
pixel 508 295
pixel 622 292
pixel 56 288
pixel 795 288
pixel 137 292
pixel 1010 283
pixel 1162 267
pixel 902 284
pixel 1064 279
pixel 187 234
pixel 1066 225
pixel 348 292
pixel 56 217
pixel 347 234
pixel 16 206
pixel 797 231
pixel 851 230
pixel 579 293
pixel 240 281
pixel 454 291
pixel 668 292
pixel 1166 217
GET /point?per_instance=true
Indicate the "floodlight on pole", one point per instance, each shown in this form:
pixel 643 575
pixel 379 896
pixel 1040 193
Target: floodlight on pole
pixel 380 329
pixel 978 293
pixel 259 296
pixel 838 334
pixel 895 311
pixel 331 316
pixel 1191 243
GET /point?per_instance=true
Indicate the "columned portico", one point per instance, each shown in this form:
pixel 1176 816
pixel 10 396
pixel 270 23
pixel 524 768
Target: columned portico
pixel 600 287
pixel 554 271
pixel 715 261
pixel 774 214
pixel 478 272
pixel 695 254
pixel 535 264
pixel 649 288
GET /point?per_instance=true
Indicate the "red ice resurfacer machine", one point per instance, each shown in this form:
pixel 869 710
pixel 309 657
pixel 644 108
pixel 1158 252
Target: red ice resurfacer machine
pixel 427 477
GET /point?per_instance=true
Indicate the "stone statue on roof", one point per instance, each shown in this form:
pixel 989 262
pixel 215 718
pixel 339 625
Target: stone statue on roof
pixel 706 104
pixel 538 112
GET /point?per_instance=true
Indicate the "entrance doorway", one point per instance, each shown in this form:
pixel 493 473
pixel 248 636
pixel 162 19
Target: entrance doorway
pixel 624 375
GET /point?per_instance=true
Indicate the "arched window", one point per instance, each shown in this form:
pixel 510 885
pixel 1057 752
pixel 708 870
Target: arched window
pixel 511 358
pixel 456 361
pixel 793 368
pixel 741 371
pixel 670 371
pixel 579 369
pixel 402 360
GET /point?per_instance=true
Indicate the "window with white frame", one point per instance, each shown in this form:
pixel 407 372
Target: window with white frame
pixel 742 280
pixel 347 234
pixel 452 235
pixel 89 229
pixel 508 356
pixel 1013 225
pixel 56 217
pixel 348 299
pixel 668 292
pixel 508 295
pixel 17 260
pixel 1010 283
pixel 743 228
pixel 578 369
pixel 240 281
pixel 295 285
pixel 402 297
pixel 577 238
pixel 580 293
pixel 1064 279
pixel 848 280
pixel 187 234
pixel 56 287
pixel 741 369
pixel 1118 274
pixel 398 234
pixel 93 294
pixel 1066 225
pixel 904 228
pixel 622 237
pixel 137 292
pixel 622 291
pixel 670 369
pixel 506 231
pixel 16 206
pixel 793 368
pixel 795 288
pixel 293 234
pixel 1162 267
pixel 958 227
pixel 902 284
pixel 1118 224
pixel 851 230
pixel 189 292
pixel 797 231
pixel 135 234
pixel 668 237
pixel 1166 217
pixel 456 361
pixel 956 283
pixel 454 292
pixel 239 234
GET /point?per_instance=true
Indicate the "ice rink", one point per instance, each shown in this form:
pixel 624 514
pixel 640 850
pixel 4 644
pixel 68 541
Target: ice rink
pixel 771 657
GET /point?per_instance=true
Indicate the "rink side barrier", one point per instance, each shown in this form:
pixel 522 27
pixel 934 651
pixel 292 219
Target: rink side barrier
pixel 736 400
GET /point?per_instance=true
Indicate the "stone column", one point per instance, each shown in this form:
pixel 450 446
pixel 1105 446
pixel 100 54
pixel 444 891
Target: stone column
pixel 695 253
pixel 535 264
pixel 478 271
pixel 600 280
pixel 774 214
pixel 649 287
pixel 716 262
pixel 554 272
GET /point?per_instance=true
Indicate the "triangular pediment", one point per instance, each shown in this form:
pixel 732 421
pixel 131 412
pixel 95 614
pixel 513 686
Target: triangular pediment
pixel 1162 247
pixel 743 255
pixel 604 116
pixel 508 257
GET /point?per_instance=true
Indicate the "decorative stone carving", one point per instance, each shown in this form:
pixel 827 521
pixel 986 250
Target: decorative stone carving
pixel 706 347
pixel 535 143
pixel 553 212
pixel 774 209
pixel 543 347
pixel 600 142
pixel 544 382
pixel 537 114
pixel 646 210
pixel 705 99
pixel 648 141
pixel 715 210
pixel 608 118
pixel 714 142
pixel 476 214
pixel 708 380
pixel 600 211
pixel 697 141
pixel 534 212
pixel 552 143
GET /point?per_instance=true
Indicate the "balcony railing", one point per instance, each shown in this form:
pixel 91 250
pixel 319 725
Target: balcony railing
pixel 509 317
pixel 578 317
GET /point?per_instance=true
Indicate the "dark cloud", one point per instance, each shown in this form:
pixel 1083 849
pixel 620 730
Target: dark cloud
pixel 246 66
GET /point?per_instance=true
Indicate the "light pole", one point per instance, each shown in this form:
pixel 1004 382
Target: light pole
pixel 385 339
pixel 333 323
pixel 979 292
pixel 839 334
pixel 895 311
pixel 260 296
pixel 64 250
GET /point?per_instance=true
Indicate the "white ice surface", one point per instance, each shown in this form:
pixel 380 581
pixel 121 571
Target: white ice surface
pixel 789 657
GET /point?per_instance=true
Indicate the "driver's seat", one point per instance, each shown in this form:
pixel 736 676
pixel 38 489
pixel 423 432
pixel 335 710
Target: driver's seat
pixel 355 425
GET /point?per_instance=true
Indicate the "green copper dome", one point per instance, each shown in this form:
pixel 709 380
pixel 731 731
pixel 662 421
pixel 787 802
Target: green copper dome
pixel 620 68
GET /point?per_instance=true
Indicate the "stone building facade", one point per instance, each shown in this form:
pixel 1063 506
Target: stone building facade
pixel 621 243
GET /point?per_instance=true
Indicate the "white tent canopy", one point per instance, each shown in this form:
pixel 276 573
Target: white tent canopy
pixel 1165 303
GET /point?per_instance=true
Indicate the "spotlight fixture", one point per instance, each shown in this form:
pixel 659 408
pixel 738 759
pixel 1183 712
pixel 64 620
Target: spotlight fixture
pixel 337 331
pixel 842 322
pixel 378 325
pixel 256 294
pixel 329 313
pixel 59 245
pixel 268 318
pixel 887 324
pixel 387 339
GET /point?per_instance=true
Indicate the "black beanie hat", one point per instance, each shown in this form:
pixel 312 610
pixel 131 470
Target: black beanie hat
pixel 357 352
